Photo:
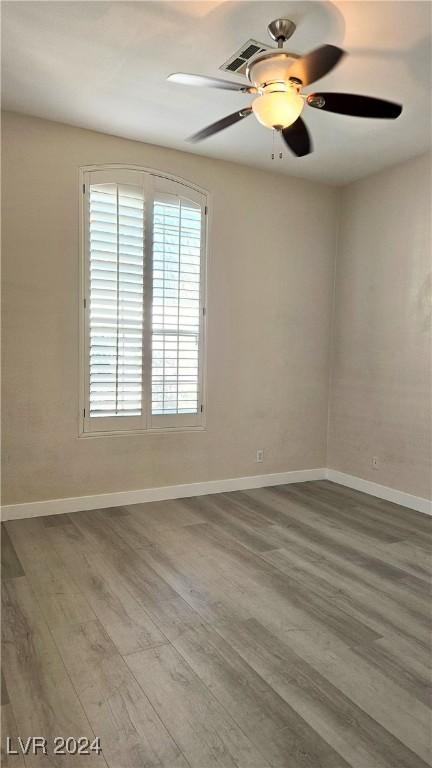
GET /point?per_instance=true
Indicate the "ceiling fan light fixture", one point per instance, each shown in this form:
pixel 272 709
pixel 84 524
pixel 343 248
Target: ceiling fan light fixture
pixel 278 109
pixel 278 76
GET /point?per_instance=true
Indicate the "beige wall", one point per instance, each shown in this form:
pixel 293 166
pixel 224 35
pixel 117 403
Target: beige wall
pixel 270 278
pixel 270 267
pixel 380 392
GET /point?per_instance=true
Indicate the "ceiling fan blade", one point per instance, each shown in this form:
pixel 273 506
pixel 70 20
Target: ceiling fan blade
pixel 297 138
pixel 316 64
pixel 225 122
pixel 209 82
pixel 357 106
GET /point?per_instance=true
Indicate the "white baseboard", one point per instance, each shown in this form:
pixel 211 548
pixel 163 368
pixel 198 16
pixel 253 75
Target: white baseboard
pixel 123 498
pixel 381 491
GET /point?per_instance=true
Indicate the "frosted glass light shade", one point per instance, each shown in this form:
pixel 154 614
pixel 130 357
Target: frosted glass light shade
pixel 278 109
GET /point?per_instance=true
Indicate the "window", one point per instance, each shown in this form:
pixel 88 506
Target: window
pixel 143 301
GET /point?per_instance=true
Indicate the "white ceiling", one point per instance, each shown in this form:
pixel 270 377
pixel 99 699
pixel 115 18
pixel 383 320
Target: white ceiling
pixel 102 65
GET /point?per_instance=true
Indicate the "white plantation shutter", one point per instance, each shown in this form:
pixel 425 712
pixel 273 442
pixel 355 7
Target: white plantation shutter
pixel 143 291
pixel 176 317
pixel 116 299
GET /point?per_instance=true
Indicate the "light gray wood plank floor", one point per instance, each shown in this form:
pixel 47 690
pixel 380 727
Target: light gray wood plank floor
pixel 286 627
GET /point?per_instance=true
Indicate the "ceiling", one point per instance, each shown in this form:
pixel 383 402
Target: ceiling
pixel 102 65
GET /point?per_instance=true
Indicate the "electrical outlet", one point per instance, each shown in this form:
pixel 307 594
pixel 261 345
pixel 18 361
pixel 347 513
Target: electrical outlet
pixel 375 462
pixel 260 455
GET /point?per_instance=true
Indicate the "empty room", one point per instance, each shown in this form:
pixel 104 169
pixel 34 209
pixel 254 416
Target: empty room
pixel 216 384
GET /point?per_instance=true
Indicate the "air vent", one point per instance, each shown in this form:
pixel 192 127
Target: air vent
pixel 235 65
pixel 238 62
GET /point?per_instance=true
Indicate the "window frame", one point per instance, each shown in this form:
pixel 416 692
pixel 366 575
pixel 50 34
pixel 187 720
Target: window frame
pixel 153 181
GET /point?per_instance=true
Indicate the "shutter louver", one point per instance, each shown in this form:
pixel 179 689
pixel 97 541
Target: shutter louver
pixel 176 306
pixel 116 234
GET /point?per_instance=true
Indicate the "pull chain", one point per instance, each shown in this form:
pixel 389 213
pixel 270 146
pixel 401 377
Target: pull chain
pixel 279 132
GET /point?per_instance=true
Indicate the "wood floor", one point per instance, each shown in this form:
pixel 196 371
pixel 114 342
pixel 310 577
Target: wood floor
pixel 285 627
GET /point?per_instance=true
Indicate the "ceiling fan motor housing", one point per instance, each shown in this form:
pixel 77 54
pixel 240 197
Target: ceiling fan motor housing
pixel 272 68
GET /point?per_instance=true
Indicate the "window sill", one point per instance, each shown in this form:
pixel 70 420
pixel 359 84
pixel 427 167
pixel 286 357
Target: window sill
pixel 129 432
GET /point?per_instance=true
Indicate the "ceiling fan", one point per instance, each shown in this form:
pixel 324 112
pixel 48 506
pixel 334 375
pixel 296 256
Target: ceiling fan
pixel 277 77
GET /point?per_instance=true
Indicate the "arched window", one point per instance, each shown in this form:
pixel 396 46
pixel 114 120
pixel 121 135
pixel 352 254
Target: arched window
pixel 143 301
